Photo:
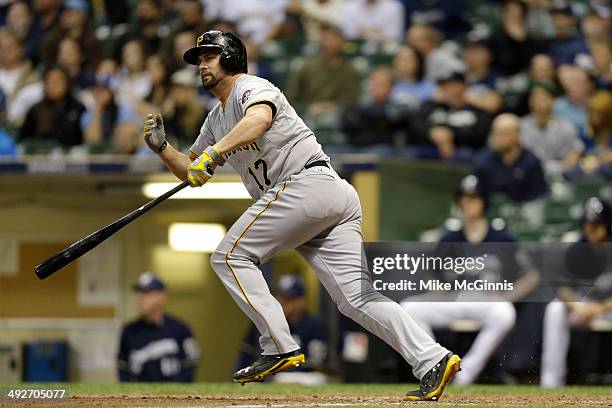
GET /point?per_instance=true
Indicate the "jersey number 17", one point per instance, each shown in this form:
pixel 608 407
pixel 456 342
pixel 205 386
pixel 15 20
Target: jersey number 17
pixel 264 170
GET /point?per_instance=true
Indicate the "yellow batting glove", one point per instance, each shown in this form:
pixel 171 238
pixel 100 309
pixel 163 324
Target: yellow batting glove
pixel 203 168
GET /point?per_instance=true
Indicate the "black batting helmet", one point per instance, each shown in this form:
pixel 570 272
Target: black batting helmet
pixel 597 210
pixel 232 50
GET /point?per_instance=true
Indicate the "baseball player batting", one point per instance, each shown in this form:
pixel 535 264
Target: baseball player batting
pixel 300 202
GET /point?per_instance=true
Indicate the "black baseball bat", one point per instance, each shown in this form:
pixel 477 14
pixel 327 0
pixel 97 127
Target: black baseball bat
pixel 69 254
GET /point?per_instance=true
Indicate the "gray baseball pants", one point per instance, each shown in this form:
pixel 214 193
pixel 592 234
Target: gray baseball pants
pixel 319 214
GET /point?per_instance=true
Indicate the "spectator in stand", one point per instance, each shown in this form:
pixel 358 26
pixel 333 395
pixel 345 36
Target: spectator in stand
pixel 116 12
pixel 595 24
pixel 577 87
pixel 539 23
pixel 56 119
pixel 20 20
pixel 410 89
pixel 542 69
pixel 372 122
pixel 158 98
pixel 316 12
pixel 567 44
pixel 185 113
pixel 146 26
pixel 601 52
pixel 70 57
pixel 374 20
pixel 19 82
pixel 553 139
pixel 133 81
pixel 191 16
pixel 481 81
pixel 293 24
pixel 507 167
pixel 447 16
pixel 438 58
pixel 255 66
pixel 326 81
pixel 259 20
pixel 73 23
pixel 46 19
pixel 103 112
pixel 449 123
pixel 597 160
pixel 181 42
pixel 513 45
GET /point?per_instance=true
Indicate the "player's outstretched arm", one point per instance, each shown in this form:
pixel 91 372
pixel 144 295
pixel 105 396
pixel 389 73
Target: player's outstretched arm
pixel 255 122
pixel 176 161
pixel 155 137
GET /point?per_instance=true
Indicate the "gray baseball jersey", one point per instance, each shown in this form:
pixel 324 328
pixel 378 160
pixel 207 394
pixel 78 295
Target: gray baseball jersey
pixel 312 210
pixel 281 151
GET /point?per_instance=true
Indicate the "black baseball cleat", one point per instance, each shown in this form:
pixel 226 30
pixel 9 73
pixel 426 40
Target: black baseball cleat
pixel 434 381
pixel 265 366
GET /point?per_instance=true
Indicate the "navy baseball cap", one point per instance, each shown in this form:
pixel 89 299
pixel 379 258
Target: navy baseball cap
pixel 148 282
pixel 290 286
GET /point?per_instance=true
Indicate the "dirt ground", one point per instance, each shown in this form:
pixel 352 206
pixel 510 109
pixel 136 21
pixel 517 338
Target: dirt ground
pixel 313 400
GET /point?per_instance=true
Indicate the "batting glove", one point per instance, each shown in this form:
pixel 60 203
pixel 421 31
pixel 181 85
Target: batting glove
pixel 203 168
pixel 154 133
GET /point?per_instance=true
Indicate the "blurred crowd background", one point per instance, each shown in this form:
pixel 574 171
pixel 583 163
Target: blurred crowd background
pixel 418 78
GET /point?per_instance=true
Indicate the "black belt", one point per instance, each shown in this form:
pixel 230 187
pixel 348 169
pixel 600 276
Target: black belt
pixel 322 163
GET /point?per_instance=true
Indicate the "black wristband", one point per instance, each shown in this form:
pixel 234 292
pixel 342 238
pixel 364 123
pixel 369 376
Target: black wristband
pixel 163 146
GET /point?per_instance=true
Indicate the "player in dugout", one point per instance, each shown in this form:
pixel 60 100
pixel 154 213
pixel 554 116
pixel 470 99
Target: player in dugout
pixel 300 202
pixel 589 296
pixel 156 347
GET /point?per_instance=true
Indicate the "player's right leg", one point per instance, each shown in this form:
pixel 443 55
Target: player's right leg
pixel 336 257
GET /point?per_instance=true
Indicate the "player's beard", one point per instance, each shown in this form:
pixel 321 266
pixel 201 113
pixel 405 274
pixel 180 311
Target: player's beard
pixel 209 81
